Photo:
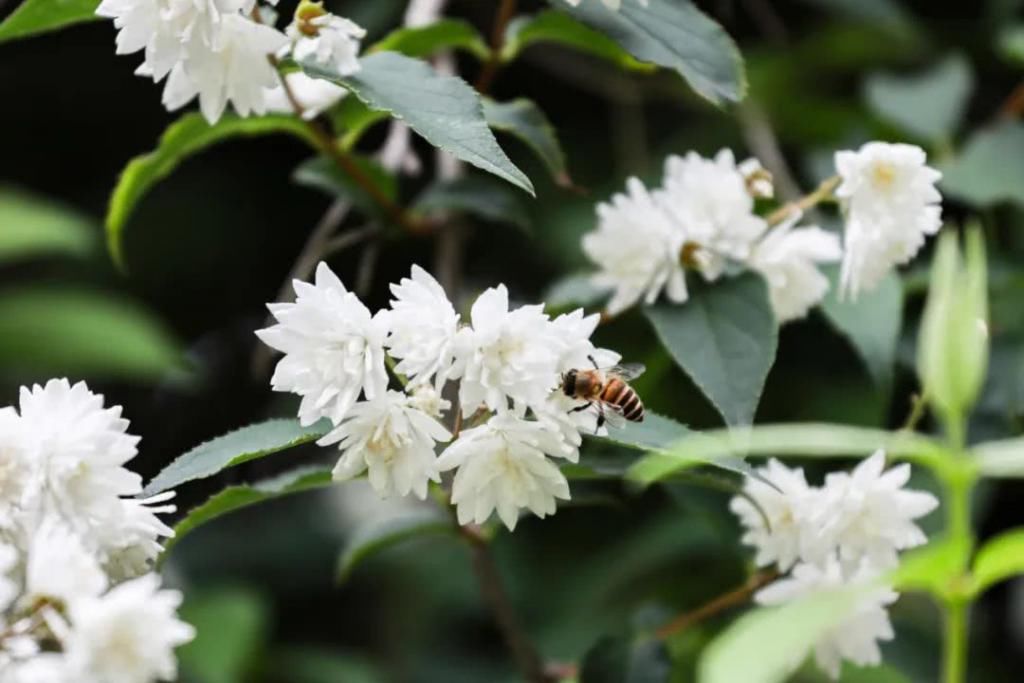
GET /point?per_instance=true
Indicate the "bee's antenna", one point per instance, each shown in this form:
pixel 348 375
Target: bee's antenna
pixel 593 361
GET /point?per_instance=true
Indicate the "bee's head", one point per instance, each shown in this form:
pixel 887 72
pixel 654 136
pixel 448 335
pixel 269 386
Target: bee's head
pixel 569 383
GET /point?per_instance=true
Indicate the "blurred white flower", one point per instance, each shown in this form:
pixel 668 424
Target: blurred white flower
pixel 315 95
pixel 787 257
pixel 778 530
pixel 429 400
pixel 333 348
pixel 16 468
pixel 638 250
pixel 391 440
pixel 423 329
pixel 709 200
pixel 891 203
pixel 505 355
pixel 572 332
pixel 8 587
pixel 127 635
pixel 856 638
pixel 758 179
pixel 329 41
pixel 867 514
pixel 503 466
pixel 59 566
pixel 44 667
pixel 610 4
pixel 129 544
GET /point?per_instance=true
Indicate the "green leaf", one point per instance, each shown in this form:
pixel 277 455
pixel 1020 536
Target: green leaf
pixel 39 16
pixel 635 659
pixel 990 169
pixel 725 339
pixel 352 118
pixel 445 110
pixel 797 440
pixel 235 498
pixel 1000 459
pixel 85 334
pixel 232 627
pixel 551 26
pixel 871 323
pixel 425 41
pixel 476 195
pixel 323 174
pixel 187 136
pixel 379 535
pixel 929 105
pixel 676 35
pixel 523 119
pixel 1011 44
pixel 242 445
pixel 308 665
pixel 767 644
pixel 1001 558
pixel 32 226
pixel 933 567
pixel 874 12
pixel 574 291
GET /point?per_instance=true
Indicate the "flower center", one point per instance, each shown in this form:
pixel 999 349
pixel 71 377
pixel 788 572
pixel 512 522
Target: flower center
pixel 883 175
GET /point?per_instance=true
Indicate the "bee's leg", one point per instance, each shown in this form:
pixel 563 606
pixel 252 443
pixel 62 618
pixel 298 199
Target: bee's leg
pixel 600 421
pixel 593 361
pixel 583 407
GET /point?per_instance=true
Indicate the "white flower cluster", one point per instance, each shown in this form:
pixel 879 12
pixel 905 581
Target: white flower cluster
pixel 220 51
pixel 610 4
pixel 76 603
pixel 508 362
pixel 703 218
pixel 848 531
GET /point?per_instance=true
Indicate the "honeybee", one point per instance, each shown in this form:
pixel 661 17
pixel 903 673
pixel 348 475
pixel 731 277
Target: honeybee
pixel 607 389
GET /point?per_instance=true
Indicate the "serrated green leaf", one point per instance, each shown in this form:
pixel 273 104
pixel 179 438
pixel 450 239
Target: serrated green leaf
pixel 871 323
pixel 674 34
pixel 725 339
pixel 379 535
pixel 524 120
pixel 1001 558
pixel 187 136
pixel 84 334
pixel 242 445
pixel 929 105
pixel 476 195
pixel 626 659
pixel 425 41
pixel 798 440
pixel 33 226
pixel 989 168
pixel 323 174
pixel 232 626
pixel 445 110
pixel 551 26
pixel 235 498
pixel 1000 459
pixel 40 16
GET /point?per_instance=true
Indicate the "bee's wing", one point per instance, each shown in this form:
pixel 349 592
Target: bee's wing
pixel 613 415
pixel 627 371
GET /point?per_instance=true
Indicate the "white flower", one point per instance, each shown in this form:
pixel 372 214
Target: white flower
pixel 334 348
pixel 758 179
pixel 328 40
pixel 868 514
pixel 390 439
pixel 314 95
pixel 503 465
pixel 424 325
pixel 572 331
pixel 638 249
pixel 709 200
pixel 506 355
pixel 59 566
pixel 8 588
pixel 778 530
pixel 856 638
pixel 610 4
pixel 787 257
pixel 16 467
pixel 44 667
pixel 129 544
pixel 127 635
pixel 429 400
pixel 891 204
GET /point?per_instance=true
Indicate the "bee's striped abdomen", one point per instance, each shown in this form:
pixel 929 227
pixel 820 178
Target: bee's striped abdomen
pixel 618 393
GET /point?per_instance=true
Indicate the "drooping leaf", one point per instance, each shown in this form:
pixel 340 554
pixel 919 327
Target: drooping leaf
pixel 445 110
pixel 232 626
pixel 476 195
pixel 323 174
pixel 929 105
pixel 871 323
pixel 242 445
pixel 75 332
pixel 186 136
pixel 551 26
pixel 237 497
pixel 674 34
pixel 523 119
pixel 626 659
pixel 725 339
pixel 1000 459
pixel 990 168
pixel 39 16
pixel 425 41
pixel 797 440
pixel 379 535
pixel 32 226
pixel 999 559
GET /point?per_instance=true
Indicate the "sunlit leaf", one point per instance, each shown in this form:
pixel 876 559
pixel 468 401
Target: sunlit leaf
pixel 32 226
pixel 1000 459
pixel 40 16
pixel 551 26
pixel 1001 558
pixel 378 535
pixel 932 567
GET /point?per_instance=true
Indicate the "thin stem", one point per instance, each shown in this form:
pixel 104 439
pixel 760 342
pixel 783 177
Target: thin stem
pixel 918 403
pixel 959 481
pixel 823 192
pixel 733 598
pixel 506 11
pixel 954 659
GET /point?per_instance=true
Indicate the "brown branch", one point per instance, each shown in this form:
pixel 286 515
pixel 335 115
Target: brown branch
pixel 733 598
pixel 490 69
pixel 824 191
